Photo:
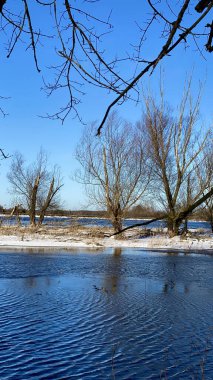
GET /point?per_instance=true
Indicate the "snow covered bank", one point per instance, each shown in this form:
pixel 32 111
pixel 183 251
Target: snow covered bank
pixel 100 237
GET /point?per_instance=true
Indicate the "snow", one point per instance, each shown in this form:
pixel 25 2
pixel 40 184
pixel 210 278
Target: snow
pixel 85 237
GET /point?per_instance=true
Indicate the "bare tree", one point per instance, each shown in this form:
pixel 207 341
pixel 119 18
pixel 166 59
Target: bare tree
pixel 176 146
pixel 35 185
pixel 77 34
pixel 114 168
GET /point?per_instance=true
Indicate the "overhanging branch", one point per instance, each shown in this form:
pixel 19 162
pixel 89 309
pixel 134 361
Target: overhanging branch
pixel 2 2
pixel 202 5
pixel 165 51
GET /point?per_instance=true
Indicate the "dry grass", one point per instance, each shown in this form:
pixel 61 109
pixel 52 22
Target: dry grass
pixel 97 236
pixel 57 231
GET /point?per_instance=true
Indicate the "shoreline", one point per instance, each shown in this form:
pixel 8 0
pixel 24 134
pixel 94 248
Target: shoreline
pixel 99 238
pixel 93 250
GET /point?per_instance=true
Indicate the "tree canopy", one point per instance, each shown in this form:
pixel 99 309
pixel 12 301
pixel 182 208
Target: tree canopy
pixel 114 167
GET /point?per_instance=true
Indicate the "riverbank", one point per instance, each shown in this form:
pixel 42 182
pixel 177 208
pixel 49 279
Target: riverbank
pixel 96 237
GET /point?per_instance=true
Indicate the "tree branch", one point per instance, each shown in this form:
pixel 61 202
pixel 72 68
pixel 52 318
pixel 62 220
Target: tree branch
pixel 166 49
pixel 163 216
pixel 2 2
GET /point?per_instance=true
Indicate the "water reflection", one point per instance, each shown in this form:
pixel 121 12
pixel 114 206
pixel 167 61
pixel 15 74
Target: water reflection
pixel 38 282
pixel 111 280
pixel 117 252
pixel 169 286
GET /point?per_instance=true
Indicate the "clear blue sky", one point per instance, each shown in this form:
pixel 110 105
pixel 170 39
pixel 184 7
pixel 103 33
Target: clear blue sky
pixel 22 130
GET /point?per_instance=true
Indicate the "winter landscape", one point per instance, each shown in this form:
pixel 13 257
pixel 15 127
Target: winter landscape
pixel 106 190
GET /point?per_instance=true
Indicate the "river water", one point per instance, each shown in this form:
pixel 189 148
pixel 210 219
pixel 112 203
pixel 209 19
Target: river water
pixel 107 314
pixel 99 222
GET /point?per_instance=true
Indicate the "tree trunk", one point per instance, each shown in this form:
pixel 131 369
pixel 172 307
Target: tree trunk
pixel 185 228
pixel 117 224
pixel 184 214
pixel 15 211
pixel 173 226
pixel 41 217
pixel 32 210
pixel 174 222
pixel 46 203
pixel 210 214
pixel 116 217
pixel 211 222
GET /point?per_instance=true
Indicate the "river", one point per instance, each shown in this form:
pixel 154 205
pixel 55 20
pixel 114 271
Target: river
pixel 99 222
pixel 106 314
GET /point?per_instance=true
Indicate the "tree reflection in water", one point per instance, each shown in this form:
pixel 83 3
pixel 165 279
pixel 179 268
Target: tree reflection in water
pixel 111 280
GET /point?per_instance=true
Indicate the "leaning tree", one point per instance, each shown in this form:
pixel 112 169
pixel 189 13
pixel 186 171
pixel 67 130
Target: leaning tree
pixel 177 146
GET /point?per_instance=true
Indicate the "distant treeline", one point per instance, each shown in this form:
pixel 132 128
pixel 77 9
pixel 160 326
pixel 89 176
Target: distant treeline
pixel 136 212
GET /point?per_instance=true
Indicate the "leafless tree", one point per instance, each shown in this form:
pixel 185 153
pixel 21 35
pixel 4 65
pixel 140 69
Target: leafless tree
pixel 114 168
pixel 36 186
pixel 77 33
pixel 176 145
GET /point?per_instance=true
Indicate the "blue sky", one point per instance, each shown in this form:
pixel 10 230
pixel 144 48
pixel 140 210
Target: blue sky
pixel 23 130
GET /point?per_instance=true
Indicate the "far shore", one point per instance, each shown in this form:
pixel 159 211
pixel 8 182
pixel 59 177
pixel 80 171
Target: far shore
pixel 101 237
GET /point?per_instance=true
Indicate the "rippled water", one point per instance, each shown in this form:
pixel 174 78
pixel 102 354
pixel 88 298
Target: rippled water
pixel 106 315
